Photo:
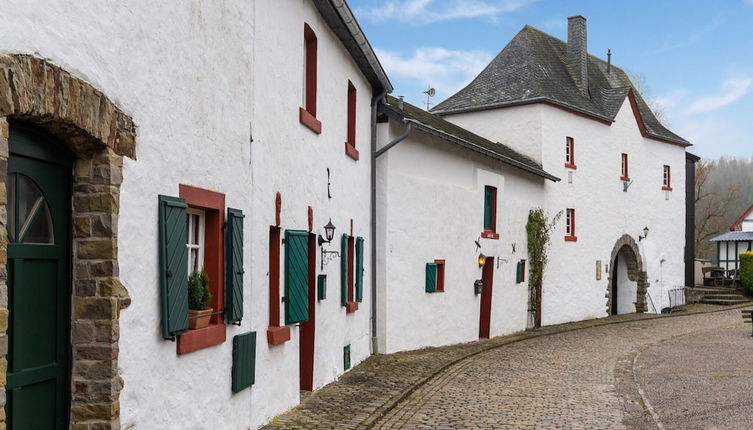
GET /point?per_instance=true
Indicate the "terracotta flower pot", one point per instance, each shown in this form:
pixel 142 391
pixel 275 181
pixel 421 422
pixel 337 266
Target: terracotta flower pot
pixel 199 319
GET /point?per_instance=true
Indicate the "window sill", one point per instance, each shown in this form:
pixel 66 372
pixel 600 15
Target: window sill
pixel 194 340
pixel 489 235
pixel 351 307
pixel 571 166
pixel 571 238
pixel 437 291
pixel 624 178
pixel 278 335
pixel 309 121
pixel 351 151
pixel 666 188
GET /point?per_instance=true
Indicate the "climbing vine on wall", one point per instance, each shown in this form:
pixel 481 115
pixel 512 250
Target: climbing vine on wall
pixel 539 230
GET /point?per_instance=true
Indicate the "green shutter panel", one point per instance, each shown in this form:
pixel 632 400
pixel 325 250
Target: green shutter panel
pixel 431 277
pixel 244 361
pixel 359 269
pixel 173 261
pixel 321 285
pixel 488 201
pixel 296 276
pixel 519 274
pixel 234 266
pixel 344 270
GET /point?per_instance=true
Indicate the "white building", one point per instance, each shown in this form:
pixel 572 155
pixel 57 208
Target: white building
pixel 187 134
pixel 581 118
pixel 441 190
pixel 731 244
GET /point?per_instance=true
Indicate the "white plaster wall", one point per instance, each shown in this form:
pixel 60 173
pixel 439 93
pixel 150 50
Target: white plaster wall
pixel 198 77
pixel 626 289
pixel 519 127
pixel 603 211
pixel 431 207
pixel 747 224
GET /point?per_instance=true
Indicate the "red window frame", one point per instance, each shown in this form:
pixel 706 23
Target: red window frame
pixel 352 304
pixel 666 178
pixel 570 225
pixel 625 172
pixel 276 334
pixel 491 233
pixel 522 270
pixel 307 114
pixel 570 153
pixel 350 142
pixel 440 276
pixel 213 205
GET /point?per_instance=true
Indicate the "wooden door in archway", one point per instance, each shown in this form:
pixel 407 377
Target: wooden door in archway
pixel 38 207
pixel 487 277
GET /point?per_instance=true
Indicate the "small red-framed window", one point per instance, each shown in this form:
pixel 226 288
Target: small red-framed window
pixel 570 153
pixel 625 172
pixel 440 276
pixel 490 213
pixel 211 206
pixel 350 142
pixel 352 304
pixel 667 179
pixel 276 334
pixel 570 225
pixel 307 113
pixel 522 271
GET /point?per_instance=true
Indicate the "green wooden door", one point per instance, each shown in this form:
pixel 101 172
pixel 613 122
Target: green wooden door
pixel 38 202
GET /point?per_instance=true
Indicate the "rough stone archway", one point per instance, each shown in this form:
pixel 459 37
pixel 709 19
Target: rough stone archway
pixel 100 135
pixel 629 249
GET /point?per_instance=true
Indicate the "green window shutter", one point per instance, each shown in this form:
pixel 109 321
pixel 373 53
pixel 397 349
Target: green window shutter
pixel 234 266
pixel 173 261
pixel 296 276
pixel 321 285
pixel 488 205
pixel 359 269
pixel 244 361
pixel 344 270
pixel 431 277
pixel 519 274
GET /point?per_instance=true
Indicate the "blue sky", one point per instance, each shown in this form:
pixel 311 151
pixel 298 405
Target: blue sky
pixel 695 57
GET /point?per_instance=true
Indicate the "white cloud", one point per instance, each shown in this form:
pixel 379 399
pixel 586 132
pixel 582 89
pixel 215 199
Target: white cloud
pixel 446 70
pixel 430 11
pixel 732 90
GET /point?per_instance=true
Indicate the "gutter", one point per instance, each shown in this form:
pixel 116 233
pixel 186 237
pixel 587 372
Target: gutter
pixel 374 155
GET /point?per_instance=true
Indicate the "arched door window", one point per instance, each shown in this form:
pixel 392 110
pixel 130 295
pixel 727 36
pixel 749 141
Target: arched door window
pixel 29 219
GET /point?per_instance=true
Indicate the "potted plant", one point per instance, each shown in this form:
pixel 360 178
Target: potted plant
pixel 199 297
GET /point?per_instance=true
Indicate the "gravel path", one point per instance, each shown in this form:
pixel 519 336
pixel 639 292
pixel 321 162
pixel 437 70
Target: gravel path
pixel 688 367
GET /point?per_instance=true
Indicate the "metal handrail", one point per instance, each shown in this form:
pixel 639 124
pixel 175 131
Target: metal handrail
pixel 651 301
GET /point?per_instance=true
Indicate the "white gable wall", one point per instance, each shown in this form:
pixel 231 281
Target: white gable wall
pixel 431 206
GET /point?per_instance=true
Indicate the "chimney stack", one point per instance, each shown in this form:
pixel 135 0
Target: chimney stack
pixel 577 50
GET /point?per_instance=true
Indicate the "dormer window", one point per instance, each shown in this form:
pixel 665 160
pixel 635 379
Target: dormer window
pixel 307 114
pixel 570 153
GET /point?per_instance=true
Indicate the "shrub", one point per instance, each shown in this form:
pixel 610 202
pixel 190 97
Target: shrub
pixel 199 295
pixel 746 271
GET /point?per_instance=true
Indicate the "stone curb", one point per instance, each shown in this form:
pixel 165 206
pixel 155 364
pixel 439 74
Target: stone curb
pixel 513 338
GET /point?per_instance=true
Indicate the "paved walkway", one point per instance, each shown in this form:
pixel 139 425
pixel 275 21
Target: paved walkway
pixel 556 377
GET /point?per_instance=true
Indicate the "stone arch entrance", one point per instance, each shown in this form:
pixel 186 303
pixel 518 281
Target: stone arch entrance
pixel 627 251
pixel 98 134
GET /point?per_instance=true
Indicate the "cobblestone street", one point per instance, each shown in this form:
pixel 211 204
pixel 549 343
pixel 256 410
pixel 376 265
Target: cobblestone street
pixel 688 370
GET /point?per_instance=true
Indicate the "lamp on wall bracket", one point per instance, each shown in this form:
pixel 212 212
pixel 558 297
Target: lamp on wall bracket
pixel 645 234
pixel 329 234
pixel 481 260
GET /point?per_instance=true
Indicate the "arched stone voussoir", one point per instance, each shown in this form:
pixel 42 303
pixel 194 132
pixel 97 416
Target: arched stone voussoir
pixel 39 91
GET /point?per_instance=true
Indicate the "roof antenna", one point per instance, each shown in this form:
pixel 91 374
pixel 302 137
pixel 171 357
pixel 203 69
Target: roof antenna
pixel 609 61
pixel 429 93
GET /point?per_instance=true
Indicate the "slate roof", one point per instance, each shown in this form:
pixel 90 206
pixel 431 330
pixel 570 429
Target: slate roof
pixel 534 67
pixel 733 236
pixel 450 132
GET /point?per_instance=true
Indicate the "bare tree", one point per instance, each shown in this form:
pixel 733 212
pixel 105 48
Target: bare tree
pixel 711 206
pixel 640 85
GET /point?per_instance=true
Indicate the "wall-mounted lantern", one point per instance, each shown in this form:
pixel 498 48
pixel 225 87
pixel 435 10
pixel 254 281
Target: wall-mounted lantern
pixel 645 234
pixel 481 260
pixel 478 286
pixel 329 234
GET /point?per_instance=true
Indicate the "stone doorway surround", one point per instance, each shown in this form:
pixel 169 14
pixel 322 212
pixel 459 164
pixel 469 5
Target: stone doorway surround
pixel 99 134
pixel 628 249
